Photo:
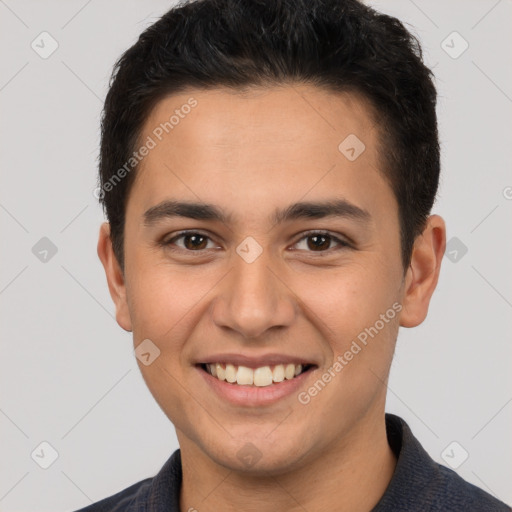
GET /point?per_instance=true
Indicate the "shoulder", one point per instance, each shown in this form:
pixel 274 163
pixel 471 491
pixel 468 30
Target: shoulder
pixel 161 492
pixel 127 500
pixel 420 483
pixel 449 491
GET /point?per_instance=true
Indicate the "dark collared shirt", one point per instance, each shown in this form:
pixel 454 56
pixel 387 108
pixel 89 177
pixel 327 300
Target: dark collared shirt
pixel 418 484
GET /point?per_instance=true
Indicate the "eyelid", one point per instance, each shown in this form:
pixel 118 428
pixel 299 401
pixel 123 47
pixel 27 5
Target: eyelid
pixel 342 244
pixel 166 240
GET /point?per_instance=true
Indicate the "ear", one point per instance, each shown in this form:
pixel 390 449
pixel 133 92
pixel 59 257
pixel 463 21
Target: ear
pixel 423 272
pixel 115 277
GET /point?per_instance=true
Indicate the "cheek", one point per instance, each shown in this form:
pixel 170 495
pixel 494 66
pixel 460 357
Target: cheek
pixel 167 302
pixel 353 307
pixel 157 298
pixel 357 313
pixel 348 299
pixel 151 307
pixel 162 310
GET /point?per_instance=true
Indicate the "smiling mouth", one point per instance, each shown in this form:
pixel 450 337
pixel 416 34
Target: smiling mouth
pixel 258 377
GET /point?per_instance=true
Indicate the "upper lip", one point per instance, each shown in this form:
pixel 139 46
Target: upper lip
pixel 254 361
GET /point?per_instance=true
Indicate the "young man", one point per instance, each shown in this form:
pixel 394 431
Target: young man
pixel 268 168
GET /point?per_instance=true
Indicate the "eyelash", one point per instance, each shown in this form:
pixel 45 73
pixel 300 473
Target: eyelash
pixel 342 244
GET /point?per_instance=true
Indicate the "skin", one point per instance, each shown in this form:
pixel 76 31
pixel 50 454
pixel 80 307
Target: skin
pixel 250 153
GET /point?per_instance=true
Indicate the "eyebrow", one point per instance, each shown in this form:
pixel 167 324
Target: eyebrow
pixel 303 210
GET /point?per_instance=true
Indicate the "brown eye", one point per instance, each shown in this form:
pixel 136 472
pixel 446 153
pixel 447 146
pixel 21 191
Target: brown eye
pixel 191 242
pixel 194 242
pixel 321 242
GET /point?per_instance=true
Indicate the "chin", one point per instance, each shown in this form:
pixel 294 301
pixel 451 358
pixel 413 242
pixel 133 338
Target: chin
pixel 258 456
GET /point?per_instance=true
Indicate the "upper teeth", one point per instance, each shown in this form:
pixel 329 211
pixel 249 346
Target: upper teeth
pixel 263 376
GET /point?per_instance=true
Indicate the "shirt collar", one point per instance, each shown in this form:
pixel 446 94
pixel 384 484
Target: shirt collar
pixel 413 470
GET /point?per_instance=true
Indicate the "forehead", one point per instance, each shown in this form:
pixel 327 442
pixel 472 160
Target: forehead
pixel 286 114
pixel 259 145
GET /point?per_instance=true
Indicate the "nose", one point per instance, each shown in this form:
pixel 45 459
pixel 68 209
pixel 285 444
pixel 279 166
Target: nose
pixel 253 299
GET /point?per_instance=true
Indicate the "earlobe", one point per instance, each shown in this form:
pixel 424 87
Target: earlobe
pixel 115 277
pixel 423 272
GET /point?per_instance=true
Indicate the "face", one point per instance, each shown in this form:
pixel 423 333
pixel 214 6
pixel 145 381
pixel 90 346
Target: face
pixel 257 282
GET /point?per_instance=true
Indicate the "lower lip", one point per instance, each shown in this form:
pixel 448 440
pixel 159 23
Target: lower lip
pixel 254 396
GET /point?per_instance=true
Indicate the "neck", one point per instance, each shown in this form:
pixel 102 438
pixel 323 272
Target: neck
pixel 350 475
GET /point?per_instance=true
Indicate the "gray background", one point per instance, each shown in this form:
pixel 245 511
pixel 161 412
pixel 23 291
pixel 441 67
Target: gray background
pixel 68 374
